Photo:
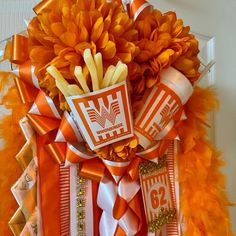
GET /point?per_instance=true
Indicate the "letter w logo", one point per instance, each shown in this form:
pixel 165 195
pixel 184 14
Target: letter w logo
pixel 105 114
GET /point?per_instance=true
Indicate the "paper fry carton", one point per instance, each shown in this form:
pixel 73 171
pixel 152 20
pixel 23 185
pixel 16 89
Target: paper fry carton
pixel 103 116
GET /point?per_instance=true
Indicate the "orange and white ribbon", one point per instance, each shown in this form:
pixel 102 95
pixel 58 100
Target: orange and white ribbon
pixel 76 154
pixel 81 204
pixel 44 106
pixel 173 228
pixel 64 176
pixel 26 72
pixel 68 131
pixel 135 7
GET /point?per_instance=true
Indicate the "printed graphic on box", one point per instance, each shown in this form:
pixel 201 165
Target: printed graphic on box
pixel 155 119
pixel 161 105
pixel 104 116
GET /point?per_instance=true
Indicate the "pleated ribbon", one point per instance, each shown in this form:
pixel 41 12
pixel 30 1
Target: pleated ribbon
pixel 26 220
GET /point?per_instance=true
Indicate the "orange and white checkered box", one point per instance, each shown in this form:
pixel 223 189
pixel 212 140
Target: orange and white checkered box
pixel 103 116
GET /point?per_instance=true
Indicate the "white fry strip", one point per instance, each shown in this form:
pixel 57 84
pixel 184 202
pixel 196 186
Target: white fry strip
pixel 92 68
pixel 108 76
pixel 118 73
pixel 74 89
pixel 123 75
pixel 99 66
pixel 80 78
pixel 61 83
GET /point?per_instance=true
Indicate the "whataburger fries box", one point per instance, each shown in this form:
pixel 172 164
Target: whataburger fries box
pixel 103 116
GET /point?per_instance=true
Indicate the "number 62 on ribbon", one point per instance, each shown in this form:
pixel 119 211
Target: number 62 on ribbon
pixel 156 191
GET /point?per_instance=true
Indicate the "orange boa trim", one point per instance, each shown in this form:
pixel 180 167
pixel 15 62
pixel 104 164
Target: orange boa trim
pixel 13 141
pixel 203 199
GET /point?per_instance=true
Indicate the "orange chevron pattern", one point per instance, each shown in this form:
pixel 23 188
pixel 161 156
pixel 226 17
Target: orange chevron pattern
pixel 103 117
pixel 105 114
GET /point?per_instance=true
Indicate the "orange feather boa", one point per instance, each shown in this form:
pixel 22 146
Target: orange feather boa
pixel 13 140
pixel 203 199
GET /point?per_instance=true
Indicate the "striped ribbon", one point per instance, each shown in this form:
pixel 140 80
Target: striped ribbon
pixel 44 106
pixel 26 72
pixel 173 228
pixel 68 130
pixel 135 7
pixel 64 179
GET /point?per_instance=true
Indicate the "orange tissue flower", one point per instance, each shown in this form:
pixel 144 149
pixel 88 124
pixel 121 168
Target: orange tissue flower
pixel 163 41
pixel 59 36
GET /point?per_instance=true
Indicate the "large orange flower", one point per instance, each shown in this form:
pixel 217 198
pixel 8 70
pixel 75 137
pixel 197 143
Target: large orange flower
pixel 163 41
pixel 59 36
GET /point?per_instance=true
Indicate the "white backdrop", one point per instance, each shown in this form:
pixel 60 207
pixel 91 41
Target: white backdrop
pixel 214 18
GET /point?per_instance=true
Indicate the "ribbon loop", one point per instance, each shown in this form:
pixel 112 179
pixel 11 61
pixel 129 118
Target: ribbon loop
pixel 68 131
pixel 43 5
pixel 19 49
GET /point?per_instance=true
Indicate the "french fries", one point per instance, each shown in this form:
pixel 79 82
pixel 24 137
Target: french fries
pixel 74 89
pixel 94 68
pixel 80 79
pixel 99 66
pixel 61 83
pixel 120 73
pixel 108 75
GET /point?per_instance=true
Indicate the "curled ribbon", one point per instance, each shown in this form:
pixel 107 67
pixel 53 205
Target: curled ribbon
pixel 43 5
pixel 135 7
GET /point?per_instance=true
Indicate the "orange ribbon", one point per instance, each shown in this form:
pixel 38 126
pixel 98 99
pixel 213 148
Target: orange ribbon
pixel 27 92
pixel 19 49
pixel 57 151
pixel 92 169
pixel 43 5
pixel 49 190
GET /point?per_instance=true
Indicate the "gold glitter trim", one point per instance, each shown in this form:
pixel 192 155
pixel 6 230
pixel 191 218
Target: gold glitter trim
pixel 81 182
pixel 149 167
pixel 164 217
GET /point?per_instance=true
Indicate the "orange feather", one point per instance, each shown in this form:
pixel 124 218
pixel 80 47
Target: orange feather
pixel 13 140
pixel 204 203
